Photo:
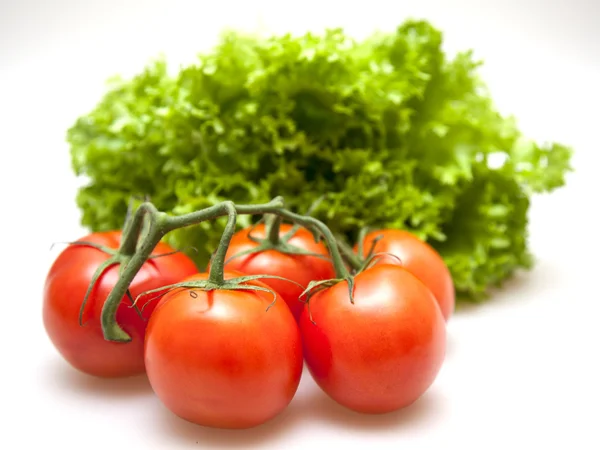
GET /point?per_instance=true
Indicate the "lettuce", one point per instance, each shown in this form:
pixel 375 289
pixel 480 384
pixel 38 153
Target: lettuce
pixel 392 130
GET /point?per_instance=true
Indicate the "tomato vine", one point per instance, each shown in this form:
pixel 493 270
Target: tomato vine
pixel 136 249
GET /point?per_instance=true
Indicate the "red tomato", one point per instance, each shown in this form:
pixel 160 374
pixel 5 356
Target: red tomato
pixel 84 347
pixel 380 353
pixel 420 259
pixel 220 359
pixel 301 269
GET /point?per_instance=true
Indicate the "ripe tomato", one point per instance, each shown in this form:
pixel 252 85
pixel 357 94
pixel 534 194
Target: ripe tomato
pixel 420 259
pixel 299 268
pixel 84 347
pixel 380 353
pixel 220 359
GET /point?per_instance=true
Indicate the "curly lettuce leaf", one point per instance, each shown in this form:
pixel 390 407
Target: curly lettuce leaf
pixel 392 130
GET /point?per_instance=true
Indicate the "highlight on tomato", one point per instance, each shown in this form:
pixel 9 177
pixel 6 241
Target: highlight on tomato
pixel 418 257
pixel 227 357
pixel 288 252
pixel 379 351
pixel 75 328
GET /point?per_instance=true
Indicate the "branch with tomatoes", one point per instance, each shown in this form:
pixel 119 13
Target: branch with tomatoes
pixel 225 347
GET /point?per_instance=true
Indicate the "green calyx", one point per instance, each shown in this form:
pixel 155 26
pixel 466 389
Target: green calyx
pixel 314 287
pixel 360 261
pixel 275 241
pixel 238 283
pixel 357 263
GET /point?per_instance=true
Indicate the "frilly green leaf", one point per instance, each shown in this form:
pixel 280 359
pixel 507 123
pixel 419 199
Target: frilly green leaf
pixel 398 134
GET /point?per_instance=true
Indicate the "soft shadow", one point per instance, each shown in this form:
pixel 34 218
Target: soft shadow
pixel 321 407
pixel 312 406
pixel 63 376
pixel 191 433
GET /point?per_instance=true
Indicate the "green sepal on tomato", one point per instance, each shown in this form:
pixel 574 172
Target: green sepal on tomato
pixel 76 332
pixel 301 260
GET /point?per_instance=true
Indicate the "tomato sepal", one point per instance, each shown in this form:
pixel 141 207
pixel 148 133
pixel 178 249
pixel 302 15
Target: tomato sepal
pixel 237 283
pixel 315 287
pixel 275 242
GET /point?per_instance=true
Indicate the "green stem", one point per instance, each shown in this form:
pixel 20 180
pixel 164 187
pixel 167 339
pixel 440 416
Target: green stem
pixel 111 329
pixel 159 225
pixel 217 266
pixel 215 211
pixel 362 234
pixel 310 222
pixel 136 251
pixel 133 228
pixel 273 230
pixel 353 259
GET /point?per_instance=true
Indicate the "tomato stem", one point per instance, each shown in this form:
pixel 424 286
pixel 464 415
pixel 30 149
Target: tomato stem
pixel 360 260
pixel 133 227
pixel 362 234
pixel 217 266
pixel 311 223
pixel 135 249
pixel 273 230
pixel 352 258
pixel 111 329
pixel 139 249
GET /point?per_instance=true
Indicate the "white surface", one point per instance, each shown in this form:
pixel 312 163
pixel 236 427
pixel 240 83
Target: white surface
pixel 521 370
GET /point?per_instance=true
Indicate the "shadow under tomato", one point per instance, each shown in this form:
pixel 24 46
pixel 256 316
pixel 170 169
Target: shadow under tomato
pixel 270 431
pixel 312 405
pixel 191 433
pixel 323 408
pixel 63 376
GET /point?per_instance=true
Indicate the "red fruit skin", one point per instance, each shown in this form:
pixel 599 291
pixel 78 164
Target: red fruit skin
pixel 298 268
pixel 381 353
pixel 220 359
pixel 419 258
pixel 84 347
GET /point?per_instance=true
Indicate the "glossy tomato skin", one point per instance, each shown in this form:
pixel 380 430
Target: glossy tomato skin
pixel 66 284
pixel 419 258
pixel 219 359
pixel 301 269
pixel 381 353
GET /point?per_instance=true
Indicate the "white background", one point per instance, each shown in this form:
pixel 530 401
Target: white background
pixel 521 370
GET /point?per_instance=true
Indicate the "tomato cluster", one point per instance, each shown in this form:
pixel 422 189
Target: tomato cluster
pixel 233 358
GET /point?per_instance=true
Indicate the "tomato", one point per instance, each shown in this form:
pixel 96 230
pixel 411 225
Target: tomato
pixel 84 347
pixel 299 268
pixel 420 259
pixel 220 359
pixel 381 353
